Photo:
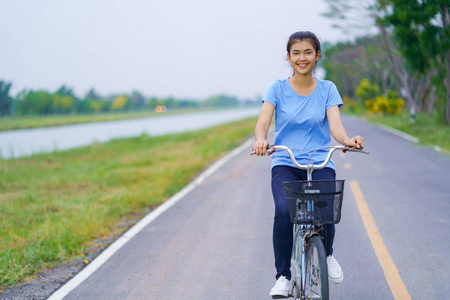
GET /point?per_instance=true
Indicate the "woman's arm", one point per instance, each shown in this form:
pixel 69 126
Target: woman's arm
pixel 338 131
pixel 262 128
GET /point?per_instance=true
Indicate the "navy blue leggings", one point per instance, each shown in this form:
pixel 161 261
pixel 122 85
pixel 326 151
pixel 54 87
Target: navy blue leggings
pixel 282 227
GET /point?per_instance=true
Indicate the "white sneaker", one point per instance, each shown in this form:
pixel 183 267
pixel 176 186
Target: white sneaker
pixel 335 274
pixel 281 289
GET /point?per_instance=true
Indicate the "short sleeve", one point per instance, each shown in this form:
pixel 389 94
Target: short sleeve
pixel 333 97
pixel 271 94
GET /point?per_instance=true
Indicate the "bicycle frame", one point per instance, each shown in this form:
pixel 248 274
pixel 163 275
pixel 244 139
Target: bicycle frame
pixel 306 231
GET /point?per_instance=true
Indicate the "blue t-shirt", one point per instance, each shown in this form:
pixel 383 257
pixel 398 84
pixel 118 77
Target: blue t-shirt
pixel 301 121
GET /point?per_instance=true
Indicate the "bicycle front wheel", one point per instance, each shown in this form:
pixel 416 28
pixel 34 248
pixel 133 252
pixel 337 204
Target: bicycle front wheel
pixel 316 270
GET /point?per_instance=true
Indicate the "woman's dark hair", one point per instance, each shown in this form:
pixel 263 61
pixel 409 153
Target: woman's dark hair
pixel 301 36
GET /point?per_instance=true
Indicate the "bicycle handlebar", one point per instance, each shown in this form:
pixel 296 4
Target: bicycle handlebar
pixel 271 149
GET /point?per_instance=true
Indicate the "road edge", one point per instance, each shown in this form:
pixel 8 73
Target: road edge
pixel 103 257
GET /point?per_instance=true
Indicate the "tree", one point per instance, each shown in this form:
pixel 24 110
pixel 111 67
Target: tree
pixel 221 100
pixel 347 63
pixel 120 103
pixel 137 100
pixel 65 91
pixel 5 100
pixel 415 86
pixel 92 94
pixel 422 31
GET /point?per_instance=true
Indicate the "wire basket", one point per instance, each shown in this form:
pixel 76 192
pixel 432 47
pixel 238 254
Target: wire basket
pixel 314 202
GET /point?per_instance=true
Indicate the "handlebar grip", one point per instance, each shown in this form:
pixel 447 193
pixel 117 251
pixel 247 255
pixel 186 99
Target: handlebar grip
pixel 354 150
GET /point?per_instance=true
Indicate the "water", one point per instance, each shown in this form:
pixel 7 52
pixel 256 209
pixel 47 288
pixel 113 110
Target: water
pixel 18 143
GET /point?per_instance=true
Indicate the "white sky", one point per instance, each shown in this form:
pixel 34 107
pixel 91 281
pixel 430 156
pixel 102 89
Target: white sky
pixel 185 49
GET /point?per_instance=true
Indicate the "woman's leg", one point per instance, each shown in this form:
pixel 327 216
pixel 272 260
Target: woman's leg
pixel 327 174
pixel 282 227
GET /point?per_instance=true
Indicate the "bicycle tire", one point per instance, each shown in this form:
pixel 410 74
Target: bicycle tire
pixel 317 287
pixel 296 262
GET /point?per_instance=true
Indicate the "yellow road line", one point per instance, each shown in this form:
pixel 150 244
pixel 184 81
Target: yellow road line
pixel 393 278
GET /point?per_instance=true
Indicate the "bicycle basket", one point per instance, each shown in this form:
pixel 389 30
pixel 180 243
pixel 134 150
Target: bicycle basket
pixel 317 201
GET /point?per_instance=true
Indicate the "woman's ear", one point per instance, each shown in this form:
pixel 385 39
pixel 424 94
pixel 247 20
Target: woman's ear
pixel 318 56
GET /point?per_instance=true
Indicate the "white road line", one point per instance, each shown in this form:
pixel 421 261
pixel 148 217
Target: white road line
pixel 399 133
pixel 127 236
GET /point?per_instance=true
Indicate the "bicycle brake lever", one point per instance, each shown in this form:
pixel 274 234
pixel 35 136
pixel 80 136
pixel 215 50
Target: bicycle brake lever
pixel 270 149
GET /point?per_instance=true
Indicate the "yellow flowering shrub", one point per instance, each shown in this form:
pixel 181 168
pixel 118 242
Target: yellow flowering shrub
pixel 375 102
pixel 119 103
pixel 381 104
pixel 366 91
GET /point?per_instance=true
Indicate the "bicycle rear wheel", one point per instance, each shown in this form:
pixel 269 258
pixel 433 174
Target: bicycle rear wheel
pixel 316 270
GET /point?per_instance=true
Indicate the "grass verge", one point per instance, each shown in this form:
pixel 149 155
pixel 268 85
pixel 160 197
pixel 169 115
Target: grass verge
pixel 53 206
pixel 431 131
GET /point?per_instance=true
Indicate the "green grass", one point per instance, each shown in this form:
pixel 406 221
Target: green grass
pixel 53 206
pixel 430 130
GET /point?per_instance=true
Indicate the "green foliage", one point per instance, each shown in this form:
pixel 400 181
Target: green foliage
pixel 352 105
pixel 422 38
pixel 366 91
pixel 418 52
pixel 346 63
pixel 381 104
pixel 64 101
pixel 120 103
pixel 5 100
pixel 374 101
pixel 221 100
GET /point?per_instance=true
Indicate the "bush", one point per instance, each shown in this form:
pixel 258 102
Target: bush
pixel 375 102
pixel 381 105
pixel 366 91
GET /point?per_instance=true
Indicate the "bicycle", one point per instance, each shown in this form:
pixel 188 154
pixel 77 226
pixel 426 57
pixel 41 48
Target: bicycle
pixel 311 205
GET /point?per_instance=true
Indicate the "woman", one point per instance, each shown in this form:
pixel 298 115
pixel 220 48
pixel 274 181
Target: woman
pixel 307 113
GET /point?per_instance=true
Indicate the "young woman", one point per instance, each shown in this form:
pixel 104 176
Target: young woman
pixel 306 115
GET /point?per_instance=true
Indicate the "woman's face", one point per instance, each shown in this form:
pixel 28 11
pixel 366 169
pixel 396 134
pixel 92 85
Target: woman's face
pixel 303 57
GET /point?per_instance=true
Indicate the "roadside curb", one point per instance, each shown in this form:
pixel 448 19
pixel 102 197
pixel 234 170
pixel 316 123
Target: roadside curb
pixel 138 227
pixel 399 133
pixel 406 136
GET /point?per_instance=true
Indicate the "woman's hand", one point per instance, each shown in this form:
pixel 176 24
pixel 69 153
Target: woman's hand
pixel 356 142
pixel 260 147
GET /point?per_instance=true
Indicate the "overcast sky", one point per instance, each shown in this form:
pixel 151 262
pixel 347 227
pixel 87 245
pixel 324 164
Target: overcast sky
pixel 185 49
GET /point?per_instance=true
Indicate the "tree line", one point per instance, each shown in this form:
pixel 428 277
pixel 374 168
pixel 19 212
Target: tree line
pixel 408 58
pixel 64 101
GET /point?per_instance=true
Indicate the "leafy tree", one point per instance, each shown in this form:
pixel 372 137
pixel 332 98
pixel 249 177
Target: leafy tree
pixel 422 31
pixel 221 100
pixel 366 91
pixel 5 100
pixel 65 91
pixel 63 104
pixel 417 88
pixel 137 100
pixel 92 94
pixel 346 63
pixel 35 103
pixel 120 103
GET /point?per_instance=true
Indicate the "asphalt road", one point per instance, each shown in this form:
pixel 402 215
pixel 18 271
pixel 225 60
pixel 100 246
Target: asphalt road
pixel 215 243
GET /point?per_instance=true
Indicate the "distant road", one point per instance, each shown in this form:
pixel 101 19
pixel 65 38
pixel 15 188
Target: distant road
pixel 26 142
pixel 215 243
